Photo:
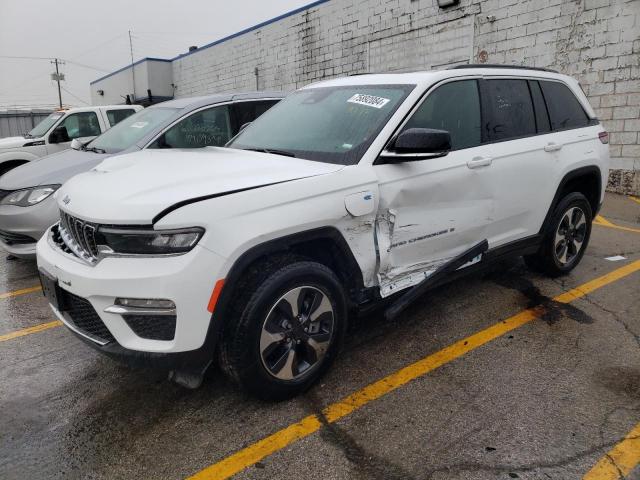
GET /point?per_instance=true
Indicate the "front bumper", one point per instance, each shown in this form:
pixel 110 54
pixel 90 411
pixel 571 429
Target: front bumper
pixel 18 225
pixel 187 280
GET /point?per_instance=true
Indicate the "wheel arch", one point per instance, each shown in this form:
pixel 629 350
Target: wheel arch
pixel 585 180
pixel 8 165
pixel 17 156
pixel 326 245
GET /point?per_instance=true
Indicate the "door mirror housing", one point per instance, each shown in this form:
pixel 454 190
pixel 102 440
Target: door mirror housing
pixel 418 144
pixel 77 144
pixel 59 135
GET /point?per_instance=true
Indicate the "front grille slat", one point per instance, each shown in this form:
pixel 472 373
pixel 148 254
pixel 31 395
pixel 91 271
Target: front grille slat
pixel 77 236
pixel 89 234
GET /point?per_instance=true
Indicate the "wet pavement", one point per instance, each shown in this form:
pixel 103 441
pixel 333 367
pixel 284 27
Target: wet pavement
pixel 545 401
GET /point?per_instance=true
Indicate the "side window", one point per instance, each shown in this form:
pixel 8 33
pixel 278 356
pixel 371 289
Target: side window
pixel 564 108
pixel 454 107
pixel 206 128
pixel 83 124
pixel 246 112
pixel 116 116
pixel 542 116
pixel 509 110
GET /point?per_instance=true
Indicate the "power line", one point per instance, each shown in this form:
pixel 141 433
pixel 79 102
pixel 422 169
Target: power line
pixel 86 66
pixel 98 46
pixel 16 57
pixel 75 96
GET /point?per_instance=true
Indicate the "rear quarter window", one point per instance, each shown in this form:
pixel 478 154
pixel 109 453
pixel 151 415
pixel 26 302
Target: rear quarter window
pixel 565 111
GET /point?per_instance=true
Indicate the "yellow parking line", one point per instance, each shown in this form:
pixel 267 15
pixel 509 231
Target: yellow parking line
pixel 30 330
pixel 635 199
pixel 600 220
pixel 603 222
pixel 22 291
pixel 252 454
pixel 620 460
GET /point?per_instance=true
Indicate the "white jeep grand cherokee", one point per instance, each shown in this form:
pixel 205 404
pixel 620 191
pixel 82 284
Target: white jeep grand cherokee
pixel 346 192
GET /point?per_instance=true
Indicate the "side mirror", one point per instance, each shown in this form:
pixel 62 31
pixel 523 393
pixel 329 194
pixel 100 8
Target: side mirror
pixel 418 144
pixel 59 135
pixel 77 144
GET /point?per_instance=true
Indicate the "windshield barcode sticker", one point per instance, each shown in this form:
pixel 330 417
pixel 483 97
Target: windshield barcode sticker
pixel 368 100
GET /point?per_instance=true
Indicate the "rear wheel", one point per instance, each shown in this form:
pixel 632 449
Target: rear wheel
pixel 567 238
pixel 285 330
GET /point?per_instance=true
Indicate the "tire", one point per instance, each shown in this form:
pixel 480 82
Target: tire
pixel 566 239
pixel 263 350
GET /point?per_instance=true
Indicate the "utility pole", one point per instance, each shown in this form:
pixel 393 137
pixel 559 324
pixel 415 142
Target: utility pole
pixel 57 77
pixel 133 73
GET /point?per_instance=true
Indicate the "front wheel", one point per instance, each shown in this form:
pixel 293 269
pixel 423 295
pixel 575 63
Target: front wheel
pixel 567 238
pixel 284 334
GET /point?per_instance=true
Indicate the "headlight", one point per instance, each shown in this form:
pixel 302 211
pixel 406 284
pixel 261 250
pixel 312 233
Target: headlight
pixel 147 242
pixel 29 196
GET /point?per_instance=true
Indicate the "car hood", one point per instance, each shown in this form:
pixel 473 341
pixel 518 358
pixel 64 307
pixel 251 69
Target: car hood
pixel 14 142
pixel 50 170
pixel 134 188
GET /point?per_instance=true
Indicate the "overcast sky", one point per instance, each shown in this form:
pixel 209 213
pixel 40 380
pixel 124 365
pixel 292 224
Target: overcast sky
pixel 93 37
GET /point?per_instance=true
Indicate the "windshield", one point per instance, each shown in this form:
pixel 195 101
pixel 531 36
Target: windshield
pixel 132 129
pixel 327 124
pixel 42 128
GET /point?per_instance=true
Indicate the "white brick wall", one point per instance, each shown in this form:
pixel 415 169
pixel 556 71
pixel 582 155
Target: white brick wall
pixel 597 41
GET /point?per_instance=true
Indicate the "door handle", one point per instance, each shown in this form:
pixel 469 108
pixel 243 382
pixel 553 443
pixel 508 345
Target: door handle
pixel 552 147
pixel 477 162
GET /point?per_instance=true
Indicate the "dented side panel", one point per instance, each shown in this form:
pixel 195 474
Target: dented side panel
pixel 429 212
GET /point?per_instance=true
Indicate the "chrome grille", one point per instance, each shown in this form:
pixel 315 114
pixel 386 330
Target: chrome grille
pixel 79 236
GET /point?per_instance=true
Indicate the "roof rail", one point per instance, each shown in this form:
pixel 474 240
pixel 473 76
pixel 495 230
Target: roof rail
pixel 493 65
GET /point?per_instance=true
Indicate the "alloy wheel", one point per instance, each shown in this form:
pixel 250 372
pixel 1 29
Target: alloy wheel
pixel 297 333
pixel 570 236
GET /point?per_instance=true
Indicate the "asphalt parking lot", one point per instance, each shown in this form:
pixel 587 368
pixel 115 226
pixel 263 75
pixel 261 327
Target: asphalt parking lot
pixel 502 375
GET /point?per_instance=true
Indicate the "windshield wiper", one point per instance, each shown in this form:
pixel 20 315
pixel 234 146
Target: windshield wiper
pixel 27 135
pixel 272 151
pixel 93 149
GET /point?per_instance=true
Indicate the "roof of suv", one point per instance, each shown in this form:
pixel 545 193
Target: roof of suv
pixel 195 102
pixel 428 77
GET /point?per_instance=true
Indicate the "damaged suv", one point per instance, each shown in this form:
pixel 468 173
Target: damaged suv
pixel 348 191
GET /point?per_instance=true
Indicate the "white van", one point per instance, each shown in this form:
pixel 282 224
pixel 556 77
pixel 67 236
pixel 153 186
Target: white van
pixel 55 133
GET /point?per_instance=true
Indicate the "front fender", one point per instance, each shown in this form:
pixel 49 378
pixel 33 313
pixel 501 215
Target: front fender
pixel 238 222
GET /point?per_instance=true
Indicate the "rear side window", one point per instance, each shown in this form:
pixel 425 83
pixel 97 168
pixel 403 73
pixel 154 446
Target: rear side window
pixel 246 112
pixel 565 110
pixel 454 107
pixel 206 128
pixel 508 110
pixel 116 116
